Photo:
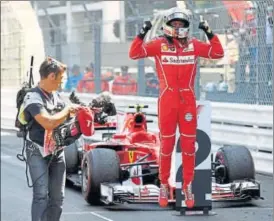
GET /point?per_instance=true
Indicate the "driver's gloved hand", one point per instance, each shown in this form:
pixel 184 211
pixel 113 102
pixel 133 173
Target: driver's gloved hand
pixel 144 30
pixel 203 25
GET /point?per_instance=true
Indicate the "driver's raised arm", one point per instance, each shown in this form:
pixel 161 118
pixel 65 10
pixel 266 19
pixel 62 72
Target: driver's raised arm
pixel 213 50
pixel 139 49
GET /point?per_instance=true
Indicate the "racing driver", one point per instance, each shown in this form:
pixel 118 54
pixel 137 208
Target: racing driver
pixel 175 55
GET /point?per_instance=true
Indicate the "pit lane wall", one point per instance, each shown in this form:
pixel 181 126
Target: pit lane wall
pixel 231 124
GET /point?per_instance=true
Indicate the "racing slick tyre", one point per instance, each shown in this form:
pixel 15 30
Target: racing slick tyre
pixel 99 166
pixel 238 163
pixel 71 158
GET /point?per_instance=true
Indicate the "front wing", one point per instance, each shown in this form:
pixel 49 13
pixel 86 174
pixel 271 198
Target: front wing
pixel 236 191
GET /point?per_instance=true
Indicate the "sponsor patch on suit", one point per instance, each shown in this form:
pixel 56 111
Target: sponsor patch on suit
pixel 177 60
pixel 168 49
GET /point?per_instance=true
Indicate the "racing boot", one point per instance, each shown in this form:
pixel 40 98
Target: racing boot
pixel 163 196
pixel 189 197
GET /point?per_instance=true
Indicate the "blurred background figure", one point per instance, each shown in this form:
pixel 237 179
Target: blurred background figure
pixel 124 84
pixel 87 85
pixel 152 84
pixel 211 87
pixel 246 36
pixel 73 78
pixel 251 35
pixel 108 75
pixel 223 85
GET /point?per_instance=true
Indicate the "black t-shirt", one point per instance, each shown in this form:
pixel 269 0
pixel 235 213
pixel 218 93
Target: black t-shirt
pixel 37 101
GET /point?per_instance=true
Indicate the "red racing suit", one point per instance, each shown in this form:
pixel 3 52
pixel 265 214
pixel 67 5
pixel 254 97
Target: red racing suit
pixel 176 69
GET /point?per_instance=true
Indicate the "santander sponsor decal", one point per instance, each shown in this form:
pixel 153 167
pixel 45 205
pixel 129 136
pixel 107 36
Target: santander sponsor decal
pixel 178 60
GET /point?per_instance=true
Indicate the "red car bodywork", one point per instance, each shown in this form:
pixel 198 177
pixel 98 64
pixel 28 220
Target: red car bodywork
pixel 135 141
pixel 98 126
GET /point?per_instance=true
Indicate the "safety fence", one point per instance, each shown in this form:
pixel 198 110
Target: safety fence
pixel 231 124
pixel 247 28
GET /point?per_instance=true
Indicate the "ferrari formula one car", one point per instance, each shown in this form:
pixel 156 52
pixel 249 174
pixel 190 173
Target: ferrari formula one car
pixel 124 167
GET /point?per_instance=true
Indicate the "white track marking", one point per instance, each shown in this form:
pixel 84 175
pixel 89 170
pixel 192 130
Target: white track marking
pixel 100 216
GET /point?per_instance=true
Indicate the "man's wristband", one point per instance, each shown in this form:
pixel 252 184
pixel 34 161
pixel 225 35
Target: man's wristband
pixel 209 35
pixel 142 36
pixel 142 33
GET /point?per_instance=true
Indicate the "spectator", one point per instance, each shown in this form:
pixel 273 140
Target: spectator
pixel 87 84
pixel 108 75
pixel 152 84
pixel 74 78
pixel 124 84
pixel 251 29
pixel 222 86
pixel 211 87
pixel 245 33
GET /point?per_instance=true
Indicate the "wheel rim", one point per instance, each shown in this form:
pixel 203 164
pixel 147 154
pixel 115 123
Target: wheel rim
pixel 221 160
pixel 85 176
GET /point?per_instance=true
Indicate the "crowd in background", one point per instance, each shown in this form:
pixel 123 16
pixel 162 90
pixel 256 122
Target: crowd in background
pixel 118 81
pixel 251 81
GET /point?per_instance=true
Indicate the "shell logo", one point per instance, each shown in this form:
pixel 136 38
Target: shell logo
pixel 164 48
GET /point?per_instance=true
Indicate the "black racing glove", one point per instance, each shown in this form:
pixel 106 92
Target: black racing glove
pixel 144 30
pixel 203 25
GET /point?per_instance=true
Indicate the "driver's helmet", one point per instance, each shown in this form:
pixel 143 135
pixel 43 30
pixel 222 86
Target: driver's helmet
pixel 176 14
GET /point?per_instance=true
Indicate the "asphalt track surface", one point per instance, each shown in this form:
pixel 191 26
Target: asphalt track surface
pixel 16 199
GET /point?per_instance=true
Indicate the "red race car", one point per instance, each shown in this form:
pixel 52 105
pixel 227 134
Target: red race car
pixel 124 167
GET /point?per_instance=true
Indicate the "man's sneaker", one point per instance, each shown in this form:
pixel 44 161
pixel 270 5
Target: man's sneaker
pixel 189 197
pixel 163 196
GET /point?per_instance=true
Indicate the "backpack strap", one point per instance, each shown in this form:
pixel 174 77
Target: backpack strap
pixel 30 98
